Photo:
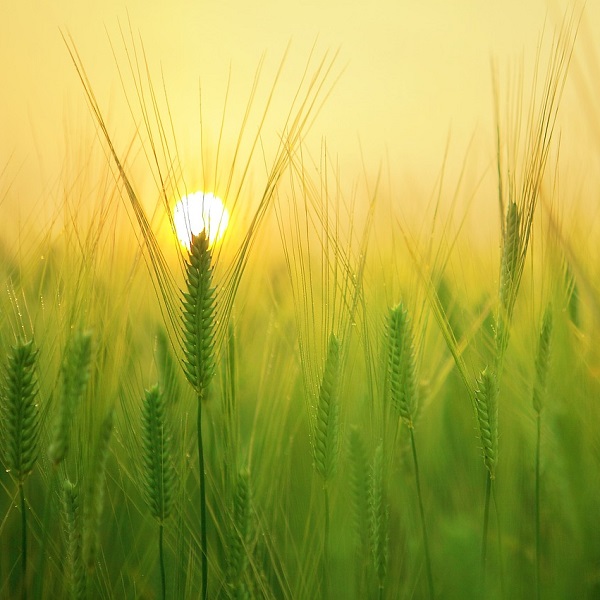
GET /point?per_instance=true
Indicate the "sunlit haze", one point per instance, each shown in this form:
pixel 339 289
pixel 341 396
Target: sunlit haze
pixel 414 90
pixel 197 212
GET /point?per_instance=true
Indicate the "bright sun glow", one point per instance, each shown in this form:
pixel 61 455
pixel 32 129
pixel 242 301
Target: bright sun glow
pixel 199 211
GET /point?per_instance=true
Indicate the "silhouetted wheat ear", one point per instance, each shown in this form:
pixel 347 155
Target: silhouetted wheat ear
pixel 378 512
pixel 20 414
pixel 159 471
pixel 542 360
pixel 94 498
pixel 401 364
pixel 486 402
pixel 199 316
pixel 75 375
pixel 326 432
pixel 72 524
pixel 240 532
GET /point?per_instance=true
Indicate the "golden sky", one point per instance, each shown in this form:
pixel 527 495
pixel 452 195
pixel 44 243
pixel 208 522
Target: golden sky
pixel 415 74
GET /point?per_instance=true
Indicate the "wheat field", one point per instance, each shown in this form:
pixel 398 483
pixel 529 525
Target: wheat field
pixel 335 399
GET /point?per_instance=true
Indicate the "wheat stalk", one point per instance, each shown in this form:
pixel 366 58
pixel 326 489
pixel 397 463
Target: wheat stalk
pixel 198 321
pixel 542 362
pixel 326 437
pixel 403 390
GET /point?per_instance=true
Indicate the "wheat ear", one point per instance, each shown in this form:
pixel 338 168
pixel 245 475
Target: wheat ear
pixel 510 271
pixel 159 472
pixel 542 360
pixel 199 317
pixel 359 502
pixel 359 488
pixel 20 413
pixel 378 512
pixel 401 364
pixel 199 364
pixel 239 535
pixel 486 403
pixel 72 524
pixel 94 497
pixel 20 417
pixel 75 375
pixel 326 432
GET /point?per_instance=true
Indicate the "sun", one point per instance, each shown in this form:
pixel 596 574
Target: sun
pixel 199 211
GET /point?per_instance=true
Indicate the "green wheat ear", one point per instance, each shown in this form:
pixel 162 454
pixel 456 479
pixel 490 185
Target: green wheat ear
pixel 326 433
pixel 359 485
pixel 486 402
pixel 159 472
pixel 510 254
pixel 75 375
pixel 20 414
pixel 240 533
pixel 72 524
pixel 199 317
pixel 94 498
pixel 401 364
pixel 378 513
pixel 509 276
pixel 542 360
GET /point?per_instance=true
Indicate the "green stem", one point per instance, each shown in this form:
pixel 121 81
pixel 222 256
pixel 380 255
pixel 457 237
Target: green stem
pixel 23 542
pixel 38 590
pixel 499 538
pixel 537 509
pixel 203 537
pixel 161 554
pixel 326 545
pixel 486 518
pixel 422 512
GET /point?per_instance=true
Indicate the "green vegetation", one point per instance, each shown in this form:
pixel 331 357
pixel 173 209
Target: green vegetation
pixel 243 420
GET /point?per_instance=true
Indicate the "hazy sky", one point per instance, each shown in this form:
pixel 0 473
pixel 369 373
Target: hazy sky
pixel 414 73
